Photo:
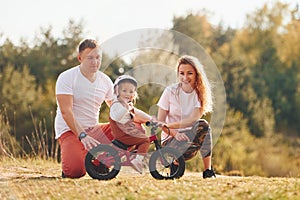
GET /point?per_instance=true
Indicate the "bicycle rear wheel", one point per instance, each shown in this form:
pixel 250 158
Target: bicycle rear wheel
pixel 103 162
pixel 162 161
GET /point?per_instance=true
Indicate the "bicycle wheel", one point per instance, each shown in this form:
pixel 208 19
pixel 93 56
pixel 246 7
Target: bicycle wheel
pixel 103 162
pixel 161 164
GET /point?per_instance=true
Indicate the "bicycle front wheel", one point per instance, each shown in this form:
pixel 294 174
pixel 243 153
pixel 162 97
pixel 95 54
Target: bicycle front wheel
pixel 103 162
pixel 162 161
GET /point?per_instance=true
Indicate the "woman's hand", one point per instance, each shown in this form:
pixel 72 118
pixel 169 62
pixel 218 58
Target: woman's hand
pixel 181 137
pixel 161 124
pixel 164 127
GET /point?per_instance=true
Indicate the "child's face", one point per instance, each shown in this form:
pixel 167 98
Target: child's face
pixel 127 91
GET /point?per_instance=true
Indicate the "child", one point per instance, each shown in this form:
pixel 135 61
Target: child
pixel 126 120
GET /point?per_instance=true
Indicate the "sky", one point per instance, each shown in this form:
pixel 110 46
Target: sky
pixel 103 19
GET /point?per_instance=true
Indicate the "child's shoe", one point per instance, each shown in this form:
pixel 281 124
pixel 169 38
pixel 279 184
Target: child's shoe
pixel 137 165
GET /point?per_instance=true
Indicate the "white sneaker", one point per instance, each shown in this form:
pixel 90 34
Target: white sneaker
pixel 137 165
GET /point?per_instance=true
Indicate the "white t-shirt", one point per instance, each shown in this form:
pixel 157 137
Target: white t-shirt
pixel 178 103
pixel 119 113
pixel 87 97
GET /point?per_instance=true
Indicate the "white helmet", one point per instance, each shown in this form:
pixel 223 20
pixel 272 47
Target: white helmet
pixel 123 78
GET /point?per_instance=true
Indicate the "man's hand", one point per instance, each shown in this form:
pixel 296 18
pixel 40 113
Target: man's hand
pixel 89 142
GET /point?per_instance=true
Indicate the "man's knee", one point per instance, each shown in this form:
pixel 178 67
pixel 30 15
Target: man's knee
pixel 74 172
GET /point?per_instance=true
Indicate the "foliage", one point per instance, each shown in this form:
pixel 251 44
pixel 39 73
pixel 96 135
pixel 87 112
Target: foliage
pixel 9 146
pixel 254 65
pixel 28 75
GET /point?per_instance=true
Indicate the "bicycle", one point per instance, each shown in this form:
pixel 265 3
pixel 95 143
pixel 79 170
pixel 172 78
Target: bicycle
pixel 104 161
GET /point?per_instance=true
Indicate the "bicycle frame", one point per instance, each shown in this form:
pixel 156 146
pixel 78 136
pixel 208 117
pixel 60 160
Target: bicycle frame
pixel 104 161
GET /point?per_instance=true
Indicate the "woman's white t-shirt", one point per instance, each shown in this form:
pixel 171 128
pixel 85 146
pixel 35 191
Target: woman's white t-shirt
pixel 87 97
pixel 178 104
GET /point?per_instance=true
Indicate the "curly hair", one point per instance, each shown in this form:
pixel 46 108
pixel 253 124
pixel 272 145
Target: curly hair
pixel 202 85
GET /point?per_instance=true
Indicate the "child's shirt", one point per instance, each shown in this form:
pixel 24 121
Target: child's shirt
pixel 123 118
pixel 119 113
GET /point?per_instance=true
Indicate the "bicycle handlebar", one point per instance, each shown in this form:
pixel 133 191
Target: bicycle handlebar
pixel 153 124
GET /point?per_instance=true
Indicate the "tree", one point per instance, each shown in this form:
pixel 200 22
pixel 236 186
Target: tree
pixel 18 92
pixel 262 48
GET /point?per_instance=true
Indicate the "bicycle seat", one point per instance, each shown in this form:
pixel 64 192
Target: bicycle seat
pixel 120 144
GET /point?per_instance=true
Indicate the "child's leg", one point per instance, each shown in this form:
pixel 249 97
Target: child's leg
pixel 142 143
pixel 142 149
pixel 102 133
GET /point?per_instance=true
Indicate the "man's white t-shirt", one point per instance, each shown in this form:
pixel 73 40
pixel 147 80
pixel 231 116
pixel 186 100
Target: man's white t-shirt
pixel 178 103
pixel 87 97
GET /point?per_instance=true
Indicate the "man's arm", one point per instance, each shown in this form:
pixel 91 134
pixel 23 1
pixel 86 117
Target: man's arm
pixel 65 103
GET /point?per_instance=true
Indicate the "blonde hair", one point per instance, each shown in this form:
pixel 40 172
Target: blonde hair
pixel 202 85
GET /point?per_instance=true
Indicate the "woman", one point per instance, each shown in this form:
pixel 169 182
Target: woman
pixel 185 102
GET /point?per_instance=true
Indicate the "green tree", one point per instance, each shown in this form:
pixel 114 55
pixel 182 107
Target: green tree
pixel 18 92
pixel 50 56
pixel 260 46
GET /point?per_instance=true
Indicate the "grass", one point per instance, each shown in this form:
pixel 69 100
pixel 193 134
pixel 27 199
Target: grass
pixel 40 179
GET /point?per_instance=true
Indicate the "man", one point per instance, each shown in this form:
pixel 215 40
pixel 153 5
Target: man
pixel 80 91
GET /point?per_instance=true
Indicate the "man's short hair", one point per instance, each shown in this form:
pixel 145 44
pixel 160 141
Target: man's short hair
pixel 87 43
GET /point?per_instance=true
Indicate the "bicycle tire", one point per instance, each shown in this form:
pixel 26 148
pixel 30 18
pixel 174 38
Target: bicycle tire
pixel 160 170
pixel 103 162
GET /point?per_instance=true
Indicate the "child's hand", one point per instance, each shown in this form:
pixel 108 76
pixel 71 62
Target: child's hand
pixel 130 106
pixel 154 119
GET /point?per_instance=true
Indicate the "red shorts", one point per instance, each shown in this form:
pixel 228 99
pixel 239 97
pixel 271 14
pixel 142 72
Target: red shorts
pixel 73 152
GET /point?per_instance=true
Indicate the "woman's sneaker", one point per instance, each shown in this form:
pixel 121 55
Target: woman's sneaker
pixel 209 173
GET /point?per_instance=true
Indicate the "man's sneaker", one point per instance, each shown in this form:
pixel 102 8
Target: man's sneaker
pixel 209 173
pixel 137 165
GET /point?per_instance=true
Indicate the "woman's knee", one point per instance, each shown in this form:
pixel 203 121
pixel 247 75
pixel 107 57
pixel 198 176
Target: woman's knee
pixel 204 124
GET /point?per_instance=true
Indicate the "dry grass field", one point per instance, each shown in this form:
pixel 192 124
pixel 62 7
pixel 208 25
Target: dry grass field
pixel 40 179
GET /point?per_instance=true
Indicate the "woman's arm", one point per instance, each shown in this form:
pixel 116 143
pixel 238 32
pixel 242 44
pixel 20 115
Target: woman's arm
pixel 161 116
pixel 195 115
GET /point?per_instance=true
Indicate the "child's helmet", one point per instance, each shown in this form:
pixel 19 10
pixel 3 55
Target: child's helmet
pixel 125 77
